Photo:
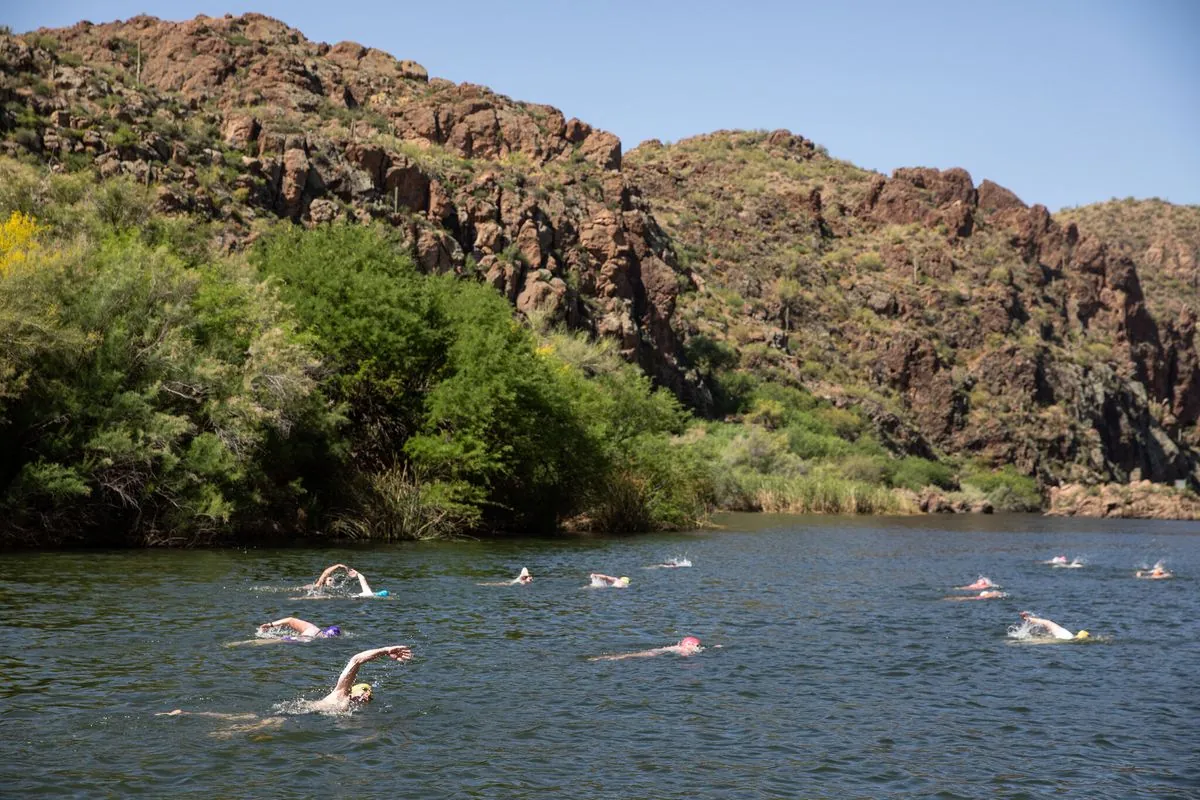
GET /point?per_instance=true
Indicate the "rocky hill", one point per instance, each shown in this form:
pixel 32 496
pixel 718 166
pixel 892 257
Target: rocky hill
pixel 968 323
pixel 972 323
pixel 1162 239
pixel 240 118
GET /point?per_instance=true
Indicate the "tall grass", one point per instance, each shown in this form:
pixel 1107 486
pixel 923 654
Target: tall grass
pixel 829 494
pixel 395 504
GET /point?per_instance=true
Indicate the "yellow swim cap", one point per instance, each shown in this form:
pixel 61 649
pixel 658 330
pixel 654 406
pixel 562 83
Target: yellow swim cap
pixel 623 581
pixel 360 691
pixel 1082 635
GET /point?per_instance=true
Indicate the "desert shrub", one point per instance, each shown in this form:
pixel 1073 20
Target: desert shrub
pixel 115 417
pixel 870 261
pixel 120 204
pixel 1005 488
pixel 873 470
pixel 916 473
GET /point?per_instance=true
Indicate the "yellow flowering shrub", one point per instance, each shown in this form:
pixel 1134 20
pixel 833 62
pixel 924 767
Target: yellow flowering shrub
pixel 18 238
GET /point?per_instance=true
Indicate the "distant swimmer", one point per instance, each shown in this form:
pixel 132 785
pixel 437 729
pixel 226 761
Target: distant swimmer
pixel 1076 563
pixel 982 583
pixel 364 587
pixel 345 695
pixel 672 563
pixel 304 631
pixel 687 646
pixel 1052 629
pixel 1155 573
pixel 984 595
pixel 303 628
pixel 323 581
pixel 599 580
pixel 520 580
pixel 1056 560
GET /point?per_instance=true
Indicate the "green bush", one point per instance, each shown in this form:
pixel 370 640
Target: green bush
pixel 116 418
pixel 1005 488
pixel 375 321
pixel 873 470
pixel 916 473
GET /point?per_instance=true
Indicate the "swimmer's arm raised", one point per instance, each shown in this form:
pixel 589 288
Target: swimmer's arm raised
pixel 328 572
pixel 346 679
pixel 362 582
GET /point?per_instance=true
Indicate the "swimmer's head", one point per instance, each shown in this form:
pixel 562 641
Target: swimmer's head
pixel 622 581
pixel 382 593
pixel 330 632
pixel 689 642
pixel 360 693
pixel 524 577
pixel 1082 635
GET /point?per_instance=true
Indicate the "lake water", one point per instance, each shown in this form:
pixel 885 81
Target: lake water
pixel 841 671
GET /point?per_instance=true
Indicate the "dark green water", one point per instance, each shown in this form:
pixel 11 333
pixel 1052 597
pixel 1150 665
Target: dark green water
pixel 841 672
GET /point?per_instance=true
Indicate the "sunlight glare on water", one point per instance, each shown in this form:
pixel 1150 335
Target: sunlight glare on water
pixel 832 667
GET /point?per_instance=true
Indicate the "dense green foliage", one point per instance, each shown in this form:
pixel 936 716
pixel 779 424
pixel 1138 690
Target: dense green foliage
pixel 153 391
pixel 120 408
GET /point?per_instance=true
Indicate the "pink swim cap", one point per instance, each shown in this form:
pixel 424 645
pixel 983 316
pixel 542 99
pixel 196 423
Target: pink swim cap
pixel 689 641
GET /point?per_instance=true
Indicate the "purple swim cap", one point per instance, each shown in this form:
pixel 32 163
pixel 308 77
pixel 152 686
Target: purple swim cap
pixel 330 632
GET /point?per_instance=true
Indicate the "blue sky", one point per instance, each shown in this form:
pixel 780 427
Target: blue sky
pixel 1066 102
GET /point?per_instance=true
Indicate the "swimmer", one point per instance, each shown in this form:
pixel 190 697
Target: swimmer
pixel 688 646
pixel 365 588
pixel 305 632
pixel 1056 560
pixel 1053 629
pixel 345 695
pixel 323 581
pixel 984 595
pixel 981 583
pixel 599 580
pixel 303 628
pixel 1076 563
pixel 346 692
pixel 521 580
pixel 1155 573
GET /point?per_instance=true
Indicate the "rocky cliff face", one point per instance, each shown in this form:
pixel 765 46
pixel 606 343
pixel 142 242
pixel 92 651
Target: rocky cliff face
pixel 240 118
pixel 1162 239
pixel 972 323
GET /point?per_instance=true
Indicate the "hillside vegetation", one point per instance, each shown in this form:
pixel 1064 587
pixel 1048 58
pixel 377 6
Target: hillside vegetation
pixel 965 322
pixel 253 285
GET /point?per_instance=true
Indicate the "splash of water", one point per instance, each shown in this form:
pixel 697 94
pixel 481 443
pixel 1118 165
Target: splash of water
pixel 672 563
pixel 1023 630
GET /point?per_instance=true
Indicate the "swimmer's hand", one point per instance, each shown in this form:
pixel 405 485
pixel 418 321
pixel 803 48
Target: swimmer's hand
pixel 266 626
pixel 399 652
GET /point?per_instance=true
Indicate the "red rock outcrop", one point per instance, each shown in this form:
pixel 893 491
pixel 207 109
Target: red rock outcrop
pixel 1136 500
pixel 529 201
pixel 1001 333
